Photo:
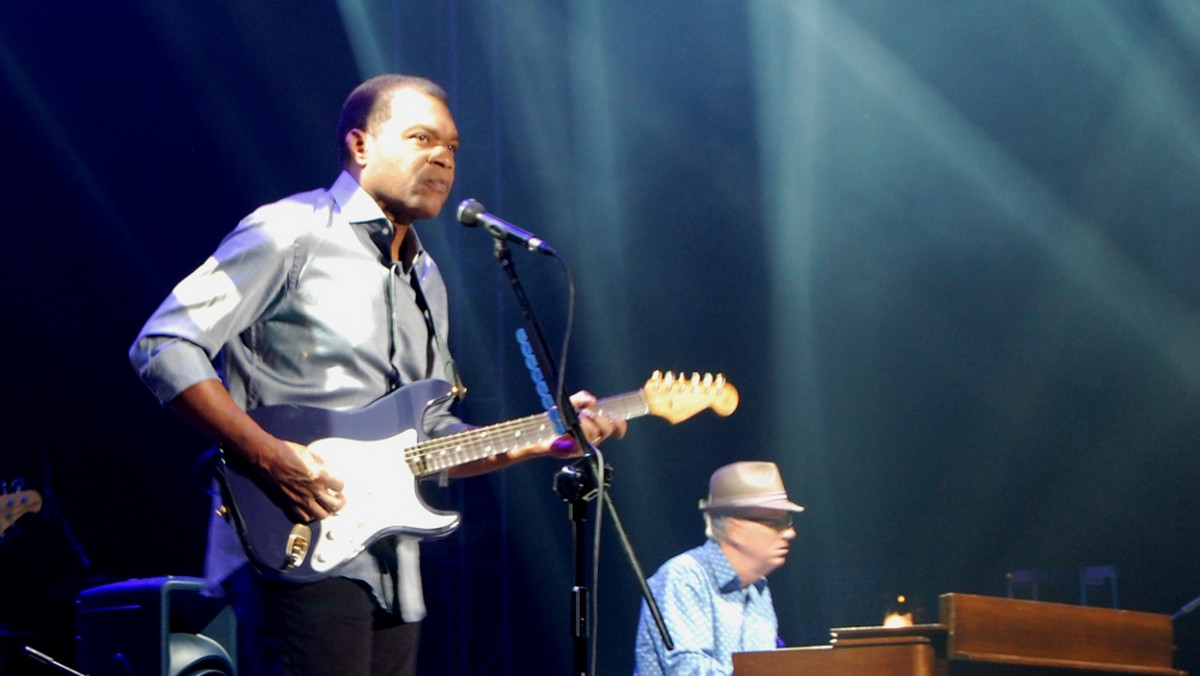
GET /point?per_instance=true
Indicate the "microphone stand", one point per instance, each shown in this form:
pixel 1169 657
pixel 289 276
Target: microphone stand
pixel 573 485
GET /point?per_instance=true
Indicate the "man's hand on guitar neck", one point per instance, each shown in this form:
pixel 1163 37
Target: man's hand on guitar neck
pixel 596 428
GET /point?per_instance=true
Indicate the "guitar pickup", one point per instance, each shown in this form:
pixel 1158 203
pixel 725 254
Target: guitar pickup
pixel 297 545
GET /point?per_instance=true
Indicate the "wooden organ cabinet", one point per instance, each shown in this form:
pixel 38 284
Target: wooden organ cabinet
pixel 987 636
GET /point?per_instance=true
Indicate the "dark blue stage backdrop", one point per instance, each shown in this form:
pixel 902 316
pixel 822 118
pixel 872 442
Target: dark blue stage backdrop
pixel 947 252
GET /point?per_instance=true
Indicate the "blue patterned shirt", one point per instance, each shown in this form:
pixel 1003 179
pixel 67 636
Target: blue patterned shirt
pixel 709 616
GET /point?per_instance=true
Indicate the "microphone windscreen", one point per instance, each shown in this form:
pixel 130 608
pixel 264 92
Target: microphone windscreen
pixel 469 211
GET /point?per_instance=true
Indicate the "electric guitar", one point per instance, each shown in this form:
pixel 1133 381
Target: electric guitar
pixel 14 505
pixel 379 451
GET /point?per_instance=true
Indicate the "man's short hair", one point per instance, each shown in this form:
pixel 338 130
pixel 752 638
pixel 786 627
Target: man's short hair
pixel 714 525
pixel 369 105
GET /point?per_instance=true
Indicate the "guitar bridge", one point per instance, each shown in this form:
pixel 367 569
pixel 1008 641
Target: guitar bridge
pixel 297 545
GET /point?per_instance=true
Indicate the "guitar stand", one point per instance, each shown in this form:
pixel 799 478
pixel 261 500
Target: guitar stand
pixel 575 485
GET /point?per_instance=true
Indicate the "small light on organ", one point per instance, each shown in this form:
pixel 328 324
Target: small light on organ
pixel 899 615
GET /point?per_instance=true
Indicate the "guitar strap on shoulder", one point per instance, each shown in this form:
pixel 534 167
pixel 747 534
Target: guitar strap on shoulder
pixel 460 390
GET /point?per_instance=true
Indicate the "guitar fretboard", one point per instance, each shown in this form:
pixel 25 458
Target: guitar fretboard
pixel 435 455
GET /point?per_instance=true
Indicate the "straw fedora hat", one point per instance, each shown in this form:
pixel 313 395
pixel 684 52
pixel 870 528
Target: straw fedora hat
pixel 747 484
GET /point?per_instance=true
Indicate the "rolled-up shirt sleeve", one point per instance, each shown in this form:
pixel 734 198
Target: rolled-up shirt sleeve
pixel 169 365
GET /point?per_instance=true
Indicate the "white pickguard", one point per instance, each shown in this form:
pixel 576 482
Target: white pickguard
pixel 380 491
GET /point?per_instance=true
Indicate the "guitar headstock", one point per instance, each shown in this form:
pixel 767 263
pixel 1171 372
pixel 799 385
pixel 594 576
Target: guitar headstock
pixel 14 505
pixel 678 398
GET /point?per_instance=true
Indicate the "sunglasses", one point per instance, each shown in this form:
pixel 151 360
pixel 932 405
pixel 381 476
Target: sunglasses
pixel 781 523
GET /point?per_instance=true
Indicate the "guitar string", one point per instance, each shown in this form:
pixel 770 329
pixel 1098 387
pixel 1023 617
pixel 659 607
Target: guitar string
pixel 475 445
pixel 438 444
pixel 476 440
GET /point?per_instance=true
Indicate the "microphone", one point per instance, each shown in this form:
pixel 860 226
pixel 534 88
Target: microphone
pixel 471 214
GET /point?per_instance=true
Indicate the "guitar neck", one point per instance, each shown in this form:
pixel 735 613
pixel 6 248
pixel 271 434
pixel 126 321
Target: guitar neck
pixel 442 453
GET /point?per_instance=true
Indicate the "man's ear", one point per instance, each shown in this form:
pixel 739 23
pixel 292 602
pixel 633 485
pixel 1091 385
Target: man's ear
pixel 358 145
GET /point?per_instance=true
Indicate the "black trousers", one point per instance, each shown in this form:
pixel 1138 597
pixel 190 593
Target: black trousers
pixel 327 628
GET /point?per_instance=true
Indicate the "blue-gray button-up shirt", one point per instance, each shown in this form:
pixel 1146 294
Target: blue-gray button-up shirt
pixel 708 614
pixel 301 304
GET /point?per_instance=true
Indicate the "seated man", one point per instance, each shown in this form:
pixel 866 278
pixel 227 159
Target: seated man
pixel 714 598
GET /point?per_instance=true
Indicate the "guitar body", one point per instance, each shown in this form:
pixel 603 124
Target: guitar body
pixel 366 449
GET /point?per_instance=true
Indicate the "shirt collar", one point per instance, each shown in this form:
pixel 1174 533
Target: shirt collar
pixel 360 209
pixel 356 205
pixel 724 576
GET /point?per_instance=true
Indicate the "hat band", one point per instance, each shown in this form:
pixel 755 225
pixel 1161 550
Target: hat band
pixel 746 500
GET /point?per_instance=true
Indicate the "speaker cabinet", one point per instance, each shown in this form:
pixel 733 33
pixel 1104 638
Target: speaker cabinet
pixel 159 626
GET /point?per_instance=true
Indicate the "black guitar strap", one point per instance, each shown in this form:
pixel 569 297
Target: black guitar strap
pixel 443 349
